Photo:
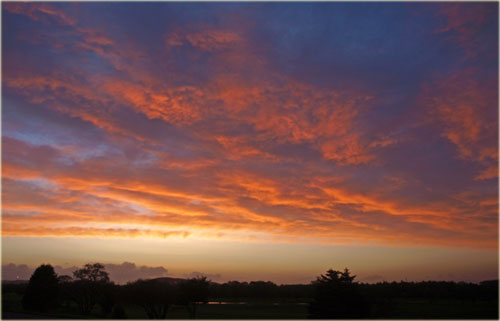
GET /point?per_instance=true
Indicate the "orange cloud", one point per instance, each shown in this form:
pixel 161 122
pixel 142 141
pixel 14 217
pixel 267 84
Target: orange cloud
pixel 40 12
pixel 282 109
pixel 265 207
pixel 462 106
pixel 346 150
pixel 464 21
pixel 238 148
pixel 176 105
pixel 489 173
pixel 299 113
pixel 13 230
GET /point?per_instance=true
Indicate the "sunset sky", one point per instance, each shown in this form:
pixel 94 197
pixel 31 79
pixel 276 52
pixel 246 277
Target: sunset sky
pixel 251 141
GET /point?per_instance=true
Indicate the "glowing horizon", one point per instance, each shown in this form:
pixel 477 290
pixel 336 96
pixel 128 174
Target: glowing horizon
pixel 289 125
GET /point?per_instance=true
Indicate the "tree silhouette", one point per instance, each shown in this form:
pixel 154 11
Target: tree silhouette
pixel 90 287
pixel 92 272
pixel 42 290
pixel 153 296
pixel 193 292
pixel 106 298
pixel 338 296
pixel 64 297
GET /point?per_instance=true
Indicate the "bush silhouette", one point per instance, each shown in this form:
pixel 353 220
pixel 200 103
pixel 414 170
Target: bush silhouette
pixel 118 312
pixel 42 290
pixel 337 296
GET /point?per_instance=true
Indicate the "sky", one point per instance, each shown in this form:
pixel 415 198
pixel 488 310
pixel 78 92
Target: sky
pixel 251 141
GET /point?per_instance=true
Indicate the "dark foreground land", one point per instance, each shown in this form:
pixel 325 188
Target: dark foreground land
pixel 397 309
pixel 91 295
pixel 382 306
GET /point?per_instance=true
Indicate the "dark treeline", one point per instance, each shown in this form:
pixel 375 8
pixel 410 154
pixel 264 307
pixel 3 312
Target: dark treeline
pixel 89 292
pixel 486 290
pixel 259 290
pixel 432 290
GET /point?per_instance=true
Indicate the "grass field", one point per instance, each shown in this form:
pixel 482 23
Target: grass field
pixel 290 309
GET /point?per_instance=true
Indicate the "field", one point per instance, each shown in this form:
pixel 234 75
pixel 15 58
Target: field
pixel 288 309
